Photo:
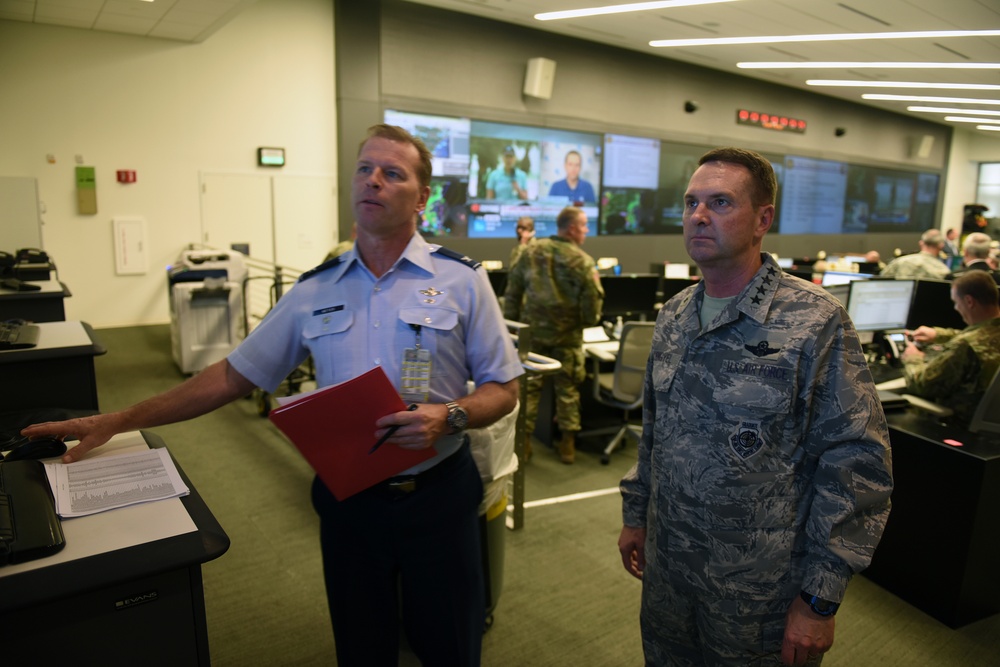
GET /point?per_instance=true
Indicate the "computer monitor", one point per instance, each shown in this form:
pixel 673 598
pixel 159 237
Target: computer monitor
pixel 842 277
pixel 839 292
pixel 671 287
pixel 498 280
pixel 932 306
pixel 630 295
pixel 880 305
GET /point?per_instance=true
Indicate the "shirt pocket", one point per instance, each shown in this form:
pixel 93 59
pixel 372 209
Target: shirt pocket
pixel 437 326
pixel 325 334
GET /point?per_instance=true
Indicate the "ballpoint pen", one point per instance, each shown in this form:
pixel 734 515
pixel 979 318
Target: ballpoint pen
pixel 392 429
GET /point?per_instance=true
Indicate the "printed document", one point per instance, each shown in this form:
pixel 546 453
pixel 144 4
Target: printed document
pixel 107 482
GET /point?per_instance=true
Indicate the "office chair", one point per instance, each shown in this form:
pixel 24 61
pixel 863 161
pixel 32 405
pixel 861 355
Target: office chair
pixel 987 414
pixel 622 388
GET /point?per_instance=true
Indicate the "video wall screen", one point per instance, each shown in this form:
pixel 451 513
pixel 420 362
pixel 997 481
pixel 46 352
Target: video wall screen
pixel 518 170
pixel 487 175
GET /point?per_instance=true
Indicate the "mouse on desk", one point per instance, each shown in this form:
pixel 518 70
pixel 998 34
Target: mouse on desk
pixel 40 448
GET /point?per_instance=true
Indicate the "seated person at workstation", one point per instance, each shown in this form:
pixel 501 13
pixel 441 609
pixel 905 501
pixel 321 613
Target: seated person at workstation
pixel 975 256
pixel 924 265
pixel 953 367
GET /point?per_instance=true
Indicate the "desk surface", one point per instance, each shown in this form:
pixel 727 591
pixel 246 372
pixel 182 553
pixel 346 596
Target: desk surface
pixel 50 289
pixel 119 544
pixel 981 446
pixel 57 339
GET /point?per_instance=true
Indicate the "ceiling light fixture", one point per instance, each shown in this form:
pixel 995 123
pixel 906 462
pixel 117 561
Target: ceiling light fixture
pixel 623 9
pixel 927 98
pixel 995 128
pixel 966 119
pixel 981 112
pixel 808 64
pixel 839 37
pixel 901 84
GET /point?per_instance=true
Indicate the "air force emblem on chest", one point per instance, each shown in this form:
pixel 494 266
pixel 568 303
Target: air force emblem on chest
pixel 746 441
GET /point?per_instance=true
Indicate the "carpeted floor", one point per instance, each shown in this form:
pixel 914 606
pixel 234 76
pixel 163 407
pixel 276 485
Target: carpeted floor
pixel 565 598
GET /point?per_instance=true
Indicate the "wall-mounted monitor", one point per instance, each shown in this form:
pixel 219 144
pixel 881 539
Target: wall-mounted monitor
pixel 447 138
pixel 631 178
pixel 520 170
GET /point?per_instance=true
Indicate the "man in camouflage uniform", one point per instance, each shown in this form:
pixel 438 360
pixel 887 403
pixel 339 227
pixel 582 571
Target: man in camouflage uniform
pixel 554 287
pixel 924 265
pixel 959 363
pixel 763 475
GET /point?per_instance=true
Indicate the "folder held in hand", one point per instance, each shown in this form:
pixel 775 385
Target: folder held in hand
pixel 334 429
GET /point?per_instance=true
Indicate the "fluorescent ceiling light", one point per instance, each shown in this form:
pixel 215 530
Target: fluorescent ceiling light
pixel 981 112
pixel 622 9
pixel 807 64
pixel 966 119
pixel 927 98
pixel 901 84
pixel 995 128
pixel 841 37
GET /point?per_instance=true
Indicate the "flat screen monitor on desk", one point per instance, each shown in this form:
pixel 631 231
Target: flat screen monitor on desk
pixel 842 277
pixel 632 294
pixel 880 305
pixel 932 306
pixel 498 280
pixel 674 286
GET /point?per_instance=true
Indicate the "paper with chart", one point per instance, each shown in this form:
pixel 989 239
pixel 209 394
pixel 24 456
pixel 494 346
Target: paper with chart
pixel 104 483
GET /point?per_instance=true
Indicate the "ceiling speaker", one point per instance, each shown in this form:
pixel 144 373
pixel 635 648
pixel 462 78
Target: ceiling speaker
pixel 539 78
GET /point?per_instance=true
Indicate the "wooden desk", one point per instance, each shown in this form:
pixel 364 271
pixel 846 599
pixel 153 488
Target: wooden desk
pixel 58 372
pixel 941 547
pixel 125 590
pixel 44 305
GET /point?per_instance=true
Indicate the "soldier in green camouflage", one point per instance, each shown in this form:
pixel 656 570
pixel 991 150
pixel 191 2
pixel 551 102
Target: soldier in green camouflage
pixel 763 474
pixel 924 265
pixel 554 287
pixel 955 366
pixel 525 235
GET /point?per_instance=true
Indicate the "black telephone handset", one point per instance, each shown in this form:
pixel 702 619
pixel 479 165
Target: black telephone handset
pixel 32 256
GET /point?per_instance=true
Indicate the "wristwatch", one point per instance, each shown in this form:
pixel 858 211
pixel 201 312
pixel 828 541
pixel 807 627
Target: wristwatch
pixel 819 605
pixel 458 418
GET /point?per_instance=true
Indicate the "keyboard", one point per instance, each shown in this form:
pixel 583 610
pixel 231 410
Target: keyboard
pixel 18 336
pixel 19 285
pixel 884 372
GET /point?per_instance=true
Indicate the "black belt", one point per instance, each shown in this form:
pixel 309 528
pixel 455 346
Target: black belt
pixel 404 485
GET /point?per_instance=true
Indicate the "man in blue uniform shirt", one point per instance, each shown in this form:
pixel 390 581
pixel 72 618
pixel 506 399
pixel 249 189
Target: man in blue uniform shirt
pixel 577 190
pixel 414 538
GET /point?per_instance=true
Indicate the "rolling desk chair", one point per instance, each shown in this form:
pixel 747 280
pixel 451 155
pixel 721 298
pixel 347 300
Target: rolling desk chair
pixel 622 388
pixel 985 418
pixel 987 414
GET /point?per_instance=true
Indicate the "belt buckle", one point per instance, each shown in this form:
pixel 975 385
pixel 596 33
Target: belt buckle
pixel 404 486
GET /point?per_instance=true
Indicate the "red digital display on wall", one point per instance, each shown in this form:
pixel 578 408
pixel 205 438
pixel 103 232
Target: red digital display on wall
pixel 770 121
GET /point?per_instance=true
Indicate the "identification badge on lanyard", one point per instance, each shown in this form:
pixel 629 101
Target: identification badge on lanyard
pixel 415 377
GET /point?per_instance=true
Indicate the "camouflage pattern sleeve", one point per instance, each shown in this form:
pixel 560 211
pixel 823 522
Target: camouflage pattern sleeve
pixel 635 486
pixel 592 296
pixel 853 478
pixel 513 295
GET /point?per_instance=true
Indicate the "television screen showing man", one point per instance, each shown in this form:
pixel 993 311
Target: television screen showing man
pixel 574 188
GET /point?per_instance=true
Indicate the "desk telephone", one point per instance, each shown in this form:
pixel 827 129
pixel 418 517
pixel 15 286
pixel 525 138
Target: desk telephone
pixel 32 256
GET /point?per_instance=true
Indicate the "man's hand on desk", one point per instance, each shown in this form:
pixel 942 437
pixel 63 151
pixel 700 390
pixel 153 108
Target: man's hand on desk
pixel 90 431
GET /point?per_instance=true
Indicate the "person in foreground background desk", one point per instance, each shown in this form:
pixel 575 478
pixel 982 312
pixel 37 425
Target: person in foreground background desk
pixel 763 474
pixel 954 367
pixel 392 292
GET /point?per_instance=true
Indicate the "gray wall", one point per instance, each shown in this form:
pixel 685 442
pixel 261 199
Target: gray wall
pixel 436 61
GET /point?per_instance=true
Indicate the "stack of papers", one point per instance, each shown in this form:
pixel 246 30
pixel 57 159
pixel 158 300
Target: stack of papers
pixel 108 482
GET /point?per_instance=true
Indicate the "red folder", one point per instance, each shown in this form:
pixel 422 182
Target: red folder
pixel 334 428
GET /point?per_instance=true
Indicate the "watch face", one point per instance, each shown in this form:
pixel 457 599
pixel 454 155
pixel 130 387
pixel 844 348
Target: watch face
pixel 458 419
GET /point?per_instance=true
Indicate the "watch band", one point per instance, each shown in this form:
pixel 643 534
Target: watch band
pixel 818 605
